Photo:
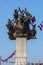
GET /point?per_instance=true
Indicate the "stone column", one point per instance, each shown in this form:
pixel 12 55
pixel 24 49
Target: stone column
pixel 0 59
pixel 21 54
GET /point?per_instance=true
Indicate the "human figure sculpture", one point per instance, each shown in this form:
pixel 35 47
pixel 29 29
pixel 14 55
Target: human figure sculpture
pixel 22 22
pixel 16 16
pixel 10 26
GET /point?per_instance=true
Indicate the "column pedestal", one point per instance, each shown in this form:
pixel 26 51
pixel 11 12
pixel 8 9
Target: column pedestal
pixel 21 54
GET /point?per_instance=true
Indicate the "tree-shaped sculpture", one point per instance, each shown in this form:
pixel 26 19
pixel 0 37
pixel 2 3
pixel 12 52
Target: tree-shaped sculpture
pixel 22 25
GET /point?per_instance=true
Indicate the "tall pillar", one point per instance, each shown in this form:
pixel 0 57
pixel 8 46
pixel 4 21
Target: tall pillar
pixel 21 56
pixel 0 59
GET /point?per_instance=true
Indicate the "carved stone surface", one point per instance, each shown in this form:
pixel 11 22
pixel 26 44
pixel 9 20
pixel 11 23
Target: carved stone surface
pixel 21 55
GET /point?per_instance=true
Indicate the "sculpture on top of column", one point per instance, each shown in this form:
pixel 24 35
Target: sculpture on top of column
pixel 22 25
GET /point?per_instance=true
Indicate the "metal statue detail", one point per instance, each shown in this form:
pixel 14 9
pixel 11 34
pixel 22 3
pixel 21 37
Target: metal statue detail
pixel 21 25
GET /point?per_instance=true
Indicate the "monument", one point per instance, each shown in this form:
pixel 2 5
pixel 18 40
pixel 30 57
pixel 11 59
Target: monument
pixel 21 28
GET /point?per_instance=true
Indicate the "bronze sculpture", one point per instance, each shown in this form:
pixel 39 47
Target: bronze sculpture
pixel 21 26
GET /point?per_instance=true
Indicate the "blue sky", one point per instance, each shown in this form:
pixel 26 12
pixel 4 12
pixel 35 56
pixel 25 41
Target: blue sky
pixel 7 46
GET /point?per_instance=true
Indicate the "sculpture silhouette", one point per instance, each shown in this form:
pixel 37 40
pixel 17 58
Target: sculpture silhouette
pixel 22 25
